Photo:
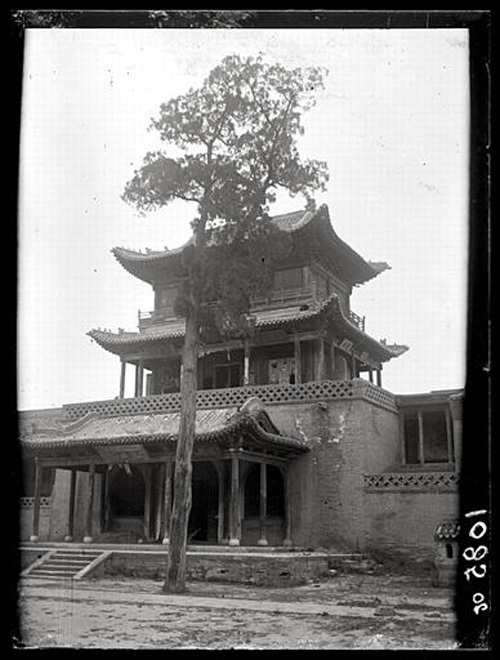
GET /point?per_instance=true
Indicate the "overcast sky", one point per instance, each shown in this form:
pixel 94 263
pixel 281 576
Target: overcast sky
pixel 393 125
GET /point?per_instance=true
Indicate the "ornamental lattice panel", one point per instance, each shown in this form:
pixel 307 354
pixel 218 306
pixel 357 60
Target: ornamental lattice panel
pixel 379 396
pixel 29 502
pixel 411 481
pixel 225 398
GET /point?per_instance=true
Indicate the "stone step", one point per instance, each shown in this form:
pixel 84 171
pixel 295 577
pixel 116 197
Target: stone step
pixel 53 570
pixel 49 574
pixel 73 566
pixel 64 563
pixel 83 558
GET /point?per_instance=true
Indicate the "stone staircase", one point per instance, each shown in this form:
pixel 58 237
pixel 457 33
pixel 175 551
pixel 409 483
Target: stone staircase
pixel 68 563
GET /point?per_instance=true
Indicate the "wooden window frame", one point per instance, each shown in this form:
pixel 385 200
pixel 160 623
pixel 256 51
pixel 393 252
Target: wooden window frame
pixel 421 453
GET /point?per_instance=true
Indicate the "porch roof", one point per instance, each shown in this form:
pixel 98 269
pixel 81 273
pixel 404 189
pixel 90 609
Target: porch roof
pixel 230 427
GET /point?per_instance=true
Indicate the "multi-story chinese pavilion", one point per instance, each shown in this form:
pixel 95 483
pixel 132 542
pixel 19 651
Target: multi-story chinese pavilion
pixel 292 446
pixel 305 329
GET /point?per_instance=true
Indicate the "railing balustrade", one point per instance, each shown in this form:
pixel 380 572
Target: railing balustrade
pixel 237 396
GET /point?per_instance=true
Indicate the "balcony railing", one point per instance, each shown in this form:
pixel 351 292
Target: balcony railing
pixel 283 297
pixel 292 297
pixel 237 396
pixel 359 321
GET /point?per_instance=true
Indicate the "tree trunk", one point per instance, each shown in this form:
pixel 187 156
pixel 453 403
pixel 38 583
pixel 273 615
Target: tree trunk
pixel 175 581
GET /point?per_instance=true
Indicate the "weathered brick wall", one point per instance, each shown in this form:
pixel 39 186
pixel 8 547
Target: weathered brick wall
pixel 403 523
pixel 370 445
pixel 348 438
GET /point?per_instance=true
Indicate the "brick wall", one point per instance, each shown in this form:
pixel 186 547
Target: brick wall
pixel 347 439
pixel 403 523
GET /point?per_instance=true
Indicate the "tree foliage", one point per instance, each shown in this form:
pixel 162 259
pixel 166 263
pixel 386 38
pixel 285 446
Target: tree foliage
pixel 232 146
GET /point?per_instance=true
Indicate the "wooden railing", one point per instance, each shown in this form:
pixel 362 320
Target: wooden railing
pixel 283 297
pixel 358 321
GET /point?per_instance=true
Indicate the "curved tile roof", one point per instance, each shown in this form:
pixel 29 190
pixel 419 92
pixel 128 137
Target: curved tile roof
pixel 142 264
pixel 162 428
pixel 264 320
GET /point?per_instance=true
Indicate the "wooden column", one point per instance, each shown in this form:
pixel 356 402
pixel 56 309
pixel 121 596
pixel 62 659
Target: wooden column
pixel 379 376
pixel 147 503
pixel 370 375
pixel 353 366
pixel 449 435
pixel 421 456
pixel 286 493
pixel 35 532
pixel 139 387
pixel 220 512
pixel 332 358
pixel 138 379
pixel 71 507
pixel 297 358
pixel 90 505
pixel 321 359
pixel 234 505
pixel 456 409
pixel 107 504
pixel 167 501
pixel 246 362
pixel 122 379
pixel 263 504
pixel 159 503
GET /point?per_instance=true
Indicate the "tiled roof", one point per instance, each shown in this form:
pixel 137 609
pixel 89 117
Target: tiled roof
pixel 293 221
pixel 287 222
pixel 160 428
pixel 143 264
pixel 264 319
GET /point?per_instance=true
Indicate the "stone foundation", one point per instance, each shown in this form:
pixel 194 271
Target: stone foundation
pixel 260 569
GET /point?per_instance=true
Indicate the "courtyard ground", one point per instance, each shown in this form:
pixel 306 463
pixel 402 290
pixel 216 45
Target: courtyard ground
pixel 346 611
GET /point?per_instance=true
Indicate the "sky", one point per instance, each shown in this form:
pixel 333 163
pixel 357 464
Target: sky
pixel 392 124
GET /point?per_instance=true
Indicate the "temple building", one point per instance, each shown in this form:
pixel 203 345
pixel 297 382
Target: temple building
pixel 297 443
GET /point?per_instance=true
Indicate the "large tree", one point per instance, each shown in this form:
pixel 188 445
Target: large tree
pixel 232 144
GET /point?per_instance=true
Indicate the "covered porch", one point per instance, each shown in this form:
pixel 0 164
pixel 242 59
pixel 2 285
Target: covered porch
pixel 240 478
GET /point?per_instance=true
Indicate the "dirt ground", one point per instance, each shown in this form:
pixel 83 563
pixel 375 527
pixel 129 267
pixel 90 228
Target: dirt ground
pixel 346 611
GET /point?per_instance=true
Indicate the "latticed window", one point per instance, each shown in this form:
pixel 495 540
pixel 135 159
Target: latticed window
pixel 427 437
pixel 289 278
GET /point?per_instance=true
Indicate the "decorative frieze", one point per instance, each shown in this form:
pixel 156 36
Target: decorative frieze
pixel 411 481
